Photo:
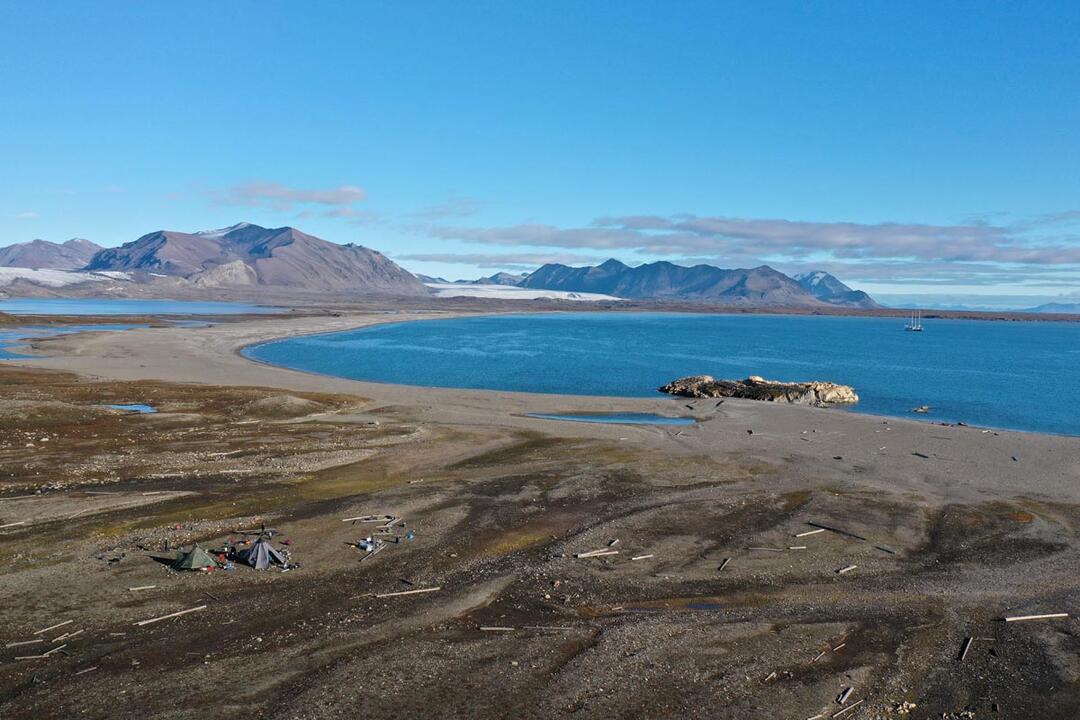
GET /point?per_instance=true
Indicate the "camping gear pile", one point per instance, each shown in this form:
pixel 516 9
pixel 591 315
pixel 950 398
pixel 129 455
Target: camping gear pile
pixel 258 553
pixel 384 534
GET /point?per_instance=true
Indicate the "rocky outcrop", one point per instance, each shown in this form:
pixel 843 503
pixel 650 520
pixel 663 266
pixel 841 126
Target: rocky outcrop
pixel 814 392
pixel 233 273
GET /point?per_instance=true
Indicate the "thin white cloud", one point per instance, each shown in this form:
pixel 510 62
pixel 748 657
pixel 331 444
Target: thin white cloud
pixel 353 215
pixel 280 198
pixel 28 215
pixel 515 261
pixel 453 207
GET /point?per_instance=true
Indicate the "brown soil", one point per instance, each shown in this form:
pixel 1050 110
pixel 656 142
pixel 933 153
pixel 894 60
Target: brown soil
pixel 497 514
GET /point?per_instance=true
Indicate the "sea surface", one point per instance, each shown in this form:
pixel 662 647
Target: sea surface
pixel 1018 375
pixel 119 306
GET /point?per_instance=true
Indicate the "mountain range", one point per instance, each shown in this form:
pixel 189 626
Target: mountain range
pixel 760 286
pixel 247 255
pixel 70 255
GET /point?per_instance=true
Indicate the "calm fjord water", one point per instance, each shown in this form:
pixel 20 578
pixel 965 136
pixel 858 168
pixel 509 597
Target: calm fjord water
pixel 125 306
pixel 1020 375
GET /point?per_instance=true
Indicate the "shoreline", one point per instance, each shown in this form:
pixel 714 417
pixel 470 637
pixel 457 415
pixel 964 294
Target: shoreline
pixel 241 351
pixel 213 356
pixel 238 351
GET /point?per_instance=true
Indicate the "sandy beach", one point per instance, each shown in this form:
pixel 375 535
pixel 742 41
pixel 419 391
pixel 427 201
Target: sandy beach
pixel 713 602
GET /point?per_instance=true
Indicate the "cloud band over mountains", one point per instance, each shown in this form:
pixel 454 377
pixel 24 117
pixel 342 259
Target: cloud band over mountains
pixel 723 235
pixel 977 251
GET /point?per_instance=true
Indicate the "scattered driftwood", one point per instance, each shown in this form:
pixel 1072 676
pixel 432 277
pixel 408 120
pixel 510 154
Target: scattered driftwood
pixel 614 542
pixel 409 592
pixel 852 706
pixel 843 696
pixel 170 615
pixel 819 656
pixel 965 648
pixel 54 650
pixel 841 645
pixel 596 553
pixel 558 628
pixel 89 669
pixel 53 627
pixel 1022 618
pixel 724 564
pixel 497 629
pixel 846 533
pixel 29 657
pixel 141 587
pixel 21 522
pixel 24 642
pixel 847 569
pixel 642 557
pixel 370 518
pixel 796 547
pixel 766 549
pixel 371 553
pixel 810 532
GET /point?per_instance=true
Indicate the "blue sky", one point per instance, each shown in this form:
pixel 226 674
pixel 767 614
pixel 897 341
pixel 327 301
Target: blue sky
pixel 909 147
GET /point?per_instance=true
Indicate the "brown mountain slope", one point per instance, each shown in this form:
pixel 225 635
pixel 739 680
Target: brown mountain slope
pixel 282 257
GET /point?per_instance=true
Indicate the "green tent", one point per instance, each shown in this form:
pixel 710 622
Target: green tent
pixel 194 559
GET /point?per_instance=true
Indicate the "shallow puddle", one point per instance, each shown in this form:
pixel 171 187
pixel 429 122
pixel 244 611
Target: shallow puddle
pixel 136 408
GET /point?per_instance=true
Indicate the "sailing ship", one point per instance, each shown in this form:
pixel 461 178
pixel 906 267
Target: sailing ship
pixel 916 322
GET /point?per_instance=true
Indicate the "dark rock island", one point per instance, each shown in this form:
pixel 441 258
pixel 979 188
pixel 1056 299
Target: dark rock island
pixel 814 392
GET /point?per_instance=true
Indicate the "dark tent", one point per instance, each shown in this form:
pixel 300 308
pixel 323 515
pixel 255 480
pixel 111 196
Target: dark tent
pixel 194 559
pixel 261 555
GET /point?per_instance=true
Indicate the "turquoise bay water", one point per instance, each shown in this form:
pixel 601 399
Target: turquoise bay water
pixel 1020 375
pixel 118 306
